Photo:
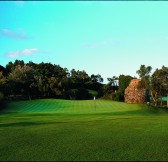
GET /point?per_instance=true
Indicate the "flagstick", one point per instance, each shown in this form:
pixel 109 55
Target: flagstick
pixel 95 103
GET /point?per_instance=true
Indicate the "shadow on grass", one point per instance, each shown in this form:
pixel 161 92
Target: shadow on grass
pixel 24 124
pixel 156 110
pixel 143 110
pixel 34 124
pixel 18 124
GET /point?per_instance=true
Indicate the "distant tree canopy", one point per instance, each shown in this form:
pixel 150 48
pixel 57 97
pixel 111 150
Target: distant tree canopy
pixel 20 80
pixel 44 80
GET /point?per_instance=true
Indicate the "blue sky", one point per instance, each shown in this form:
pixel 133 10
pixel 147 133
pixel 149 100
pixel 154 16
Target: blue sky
pixel 109 38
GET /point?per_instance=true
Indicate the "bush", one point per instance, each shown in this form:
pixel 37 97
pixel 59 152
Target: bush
pixel 2 103
pixel 71 94
pixel 78 94
pixel 118 96
pixel 1 97
pixel 83 94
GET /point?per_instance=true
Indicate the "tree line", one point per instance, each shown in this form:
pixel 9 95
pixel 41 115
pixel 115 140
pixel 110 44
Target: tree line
pixel 20 80
pixel 46 80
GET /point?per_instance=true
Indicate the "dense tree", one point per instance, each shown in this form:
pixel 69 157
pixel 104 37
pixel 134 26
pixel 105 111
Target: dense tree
pixel 45 80
pixel 144 71
pixel 112 85
pixel 3 81
pixel 21 77
pixel 157 83
pixel 10 66
pixel 48 80
pixel 3 70
pixel 55 86
pixel 123 82
pixel 144 74
pixel 96 78
pixel 113 81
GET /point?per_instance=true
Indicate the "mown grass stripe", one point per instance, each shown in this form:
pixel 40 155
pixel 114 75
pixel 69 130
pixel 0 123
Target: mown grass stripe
pixel 54 130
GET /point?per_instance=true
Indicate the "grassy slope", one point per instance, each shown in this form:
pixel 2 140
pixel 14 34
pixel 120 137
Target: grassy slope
pixel 76 130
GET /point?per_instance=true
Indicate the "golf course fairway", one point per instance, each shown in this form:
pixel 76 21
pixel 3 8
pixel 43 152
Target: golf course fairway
pixel 69 130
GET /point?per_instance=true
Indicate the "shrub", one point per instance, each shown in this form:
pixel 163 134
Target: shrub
pixel 118 96
pixel 1 97
pixel 2 103
pixel 83 94
pixel 71 94
pixel 78 94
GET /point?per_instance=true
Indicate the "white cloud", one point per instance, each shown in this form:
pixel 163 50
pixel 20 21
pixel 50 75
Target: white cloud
pixel 25 52
pixel 13 54
pixel 29 51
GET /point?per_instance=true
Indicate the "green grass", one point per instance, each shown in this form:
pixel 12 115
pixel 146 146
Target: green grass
pixel 63 130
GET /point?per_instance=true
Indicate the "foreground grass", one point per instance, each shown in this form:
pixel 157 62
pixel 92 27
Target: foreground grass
pixel 63 130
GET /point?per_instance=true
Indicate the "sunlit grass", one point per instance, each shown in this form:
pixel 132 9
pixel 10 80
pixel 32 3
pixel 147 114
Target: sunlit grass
pixel 77 130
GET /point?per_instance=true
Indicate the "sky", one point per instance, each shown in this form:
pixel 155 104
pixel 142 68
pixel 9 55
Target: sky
pixel 100 37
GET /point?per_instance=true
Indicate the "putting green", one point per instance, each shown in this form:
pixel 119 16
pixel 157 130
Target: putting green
pixel 71 106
